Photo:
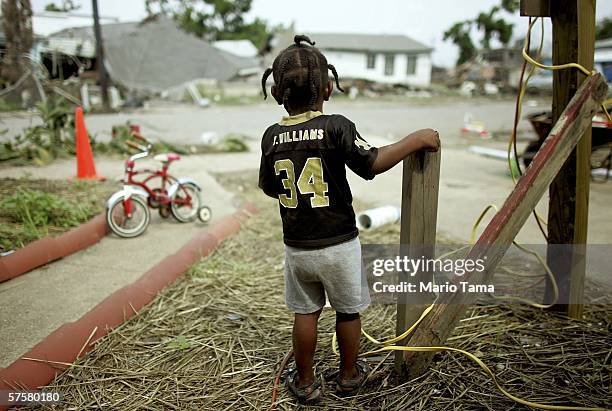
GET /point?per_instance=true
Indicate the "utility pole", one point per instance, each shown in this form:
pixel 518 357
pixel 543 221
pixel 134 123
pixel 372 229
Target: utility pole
pixel 573 41
pixel 100 56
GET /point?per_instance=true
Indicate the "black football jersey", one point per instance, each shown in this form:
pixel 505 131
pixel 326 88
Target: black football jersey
pixel 303 165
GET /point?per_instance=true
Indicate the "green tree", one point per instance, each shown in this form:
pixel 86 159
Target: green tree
pixel 459 33
pixel 52 7
pixel 67 5
pixel 213 19
pixel 604 29
pixel 490 24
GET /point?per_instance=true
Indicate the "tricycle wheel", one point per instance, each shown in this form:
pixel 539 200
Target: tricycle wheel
pixel 185 213
pixel 128 226
pixel 204 214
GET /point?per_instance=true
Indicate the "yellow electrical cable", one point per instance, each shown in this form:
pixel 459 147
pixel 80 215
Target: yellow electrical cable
pixel 540 259
pixel 479 220
pixel 387 345
pixel 554 67
pixel 584 70
pixel 521 94
pixel 402 335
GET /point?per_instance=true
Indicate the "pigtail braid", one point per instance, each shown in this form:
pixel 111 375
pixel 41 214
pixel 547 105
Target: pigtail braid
pixel 264 80
pixel 335 73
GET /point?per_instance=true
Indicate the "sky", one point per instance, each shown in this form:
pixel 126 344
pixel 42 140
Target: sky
pixel 423 20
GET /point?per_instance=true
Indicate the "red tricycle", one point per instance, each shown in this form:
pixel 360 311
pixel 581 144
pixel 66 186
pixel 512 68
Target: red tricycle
pixel 128 209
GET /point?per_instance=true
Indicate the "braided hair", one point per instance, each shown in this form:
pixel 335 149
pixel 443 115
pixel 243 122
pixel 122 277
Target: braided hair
pixel 300 75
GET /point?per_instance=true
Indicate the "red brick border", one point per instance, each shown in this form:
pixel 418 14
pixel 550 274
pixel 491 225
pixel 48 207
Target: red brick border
pixel 47 249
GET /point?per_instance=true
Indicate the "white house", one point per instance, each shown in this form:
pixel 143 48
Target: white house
pixel 383 58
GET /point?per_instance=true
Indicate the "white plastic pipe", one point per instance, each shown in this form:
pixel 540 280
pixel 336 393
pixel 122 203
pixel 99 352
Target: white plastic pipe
pixel 377 217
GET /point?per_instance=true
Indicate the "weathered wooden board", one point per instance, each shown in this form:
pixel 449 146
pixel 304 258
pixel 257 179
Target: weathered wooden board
pixel 421 176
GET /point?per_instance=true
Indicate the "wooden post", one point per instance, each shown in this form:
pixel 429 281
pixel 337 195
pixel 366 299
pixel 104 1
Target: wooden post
pixel 420 180
pixel 100 56
pixel 498 235
pixel 573 41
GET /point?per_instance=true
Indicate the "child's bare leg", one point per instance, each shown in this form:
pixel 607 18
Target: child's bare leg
pixel 304 346
pixel 348 330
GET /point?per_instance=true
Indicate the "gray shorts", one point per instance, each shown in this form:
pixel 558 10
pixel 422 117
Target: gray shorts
pixel 335 270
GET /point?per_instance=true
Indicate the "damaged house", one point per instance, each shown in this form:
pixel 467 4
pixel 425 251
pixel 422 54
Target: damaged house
pixel 150 57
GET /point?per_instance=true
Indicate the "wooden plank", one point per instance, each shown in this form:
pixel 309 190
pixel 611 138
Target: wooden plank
pixel 420 181
pixel 498 235
pixel 573 25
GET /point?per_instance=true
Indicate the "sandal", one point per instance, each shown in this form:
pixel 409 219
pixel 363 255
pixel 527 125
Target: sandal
pixel 349 387
pixel 309 394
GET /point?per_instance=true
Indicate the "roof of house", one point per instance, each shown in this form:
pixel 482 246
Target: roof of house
pixel 242 48
pixel 156 55
pixel 368 42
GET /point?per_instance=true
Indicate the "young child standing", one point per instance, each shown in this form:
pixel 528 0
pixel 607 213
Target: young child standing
pixel 303 165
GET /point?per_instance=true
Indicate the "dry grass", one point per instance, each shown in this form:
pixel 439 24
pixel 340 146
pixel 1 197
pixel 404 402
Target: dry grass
pixel 214 340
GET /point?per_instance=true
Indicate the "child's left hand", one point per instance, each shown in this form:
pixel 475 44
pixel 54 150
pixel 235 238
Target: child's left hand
pixel 430 139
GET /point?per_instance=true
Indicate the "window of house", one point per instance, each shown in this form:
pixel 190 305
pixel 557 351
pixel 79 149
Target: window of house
pixel 389 64
pixel 371 60
pixel 410 64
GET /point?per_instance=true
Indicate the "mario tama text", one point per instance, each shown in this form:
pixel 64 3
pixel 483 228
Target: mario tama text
pixel 406 287
pixel 434 275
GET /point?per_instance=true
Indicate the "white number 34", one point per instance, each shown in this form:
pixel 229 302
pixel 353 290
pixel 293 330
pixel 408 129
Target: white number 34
pixel 310 182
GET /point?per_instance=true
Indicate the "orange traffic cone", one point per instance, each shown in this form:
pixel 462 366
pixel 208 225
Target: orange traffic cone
pixel 86 169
